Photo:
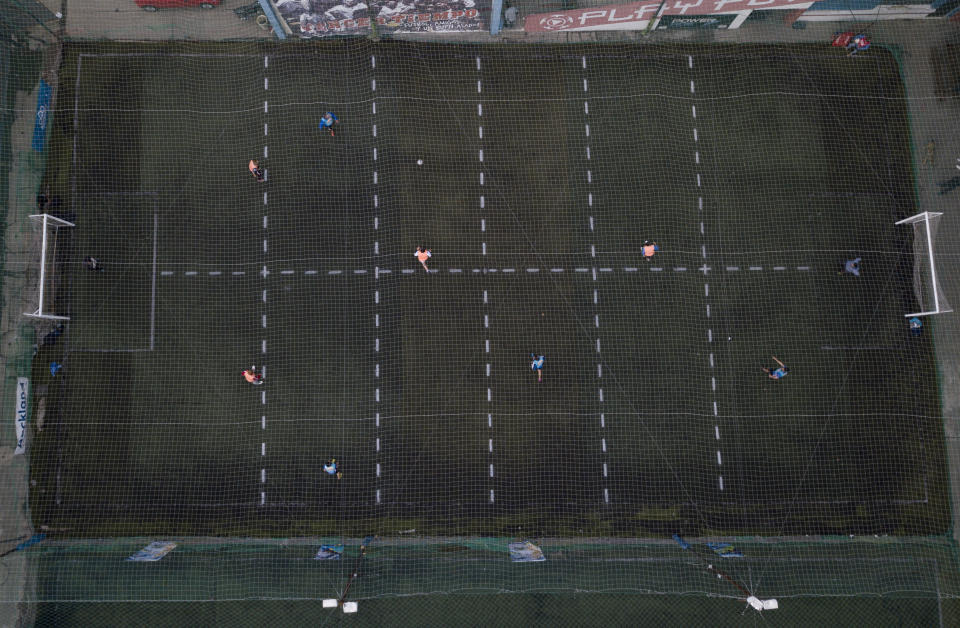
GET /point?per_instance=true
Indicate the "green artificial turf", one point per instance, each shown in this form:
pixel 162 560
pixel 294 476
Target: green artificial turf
pixel 756 169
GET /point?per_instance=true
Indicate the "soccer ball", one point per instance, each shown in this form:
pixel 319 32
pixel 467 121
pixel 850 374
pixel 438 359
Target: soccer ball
pixel 419 162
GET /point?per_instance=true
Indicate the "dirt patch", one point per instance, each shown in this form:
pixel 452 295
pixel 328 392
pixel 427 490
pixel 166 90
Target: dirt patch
pixel 41 412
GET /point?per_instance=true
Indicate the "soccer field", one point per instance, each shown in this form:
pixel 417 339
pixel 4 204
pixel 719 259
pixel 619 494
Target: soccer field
pixel 757 170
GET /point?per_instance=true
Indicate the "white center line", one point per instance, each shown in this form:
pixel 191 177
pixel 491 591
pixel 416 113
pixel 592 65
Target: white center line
pixel 486 299
pixel 376 293
pixel 593 254
pixel 377 271
pixel 263 313
pixel 706 286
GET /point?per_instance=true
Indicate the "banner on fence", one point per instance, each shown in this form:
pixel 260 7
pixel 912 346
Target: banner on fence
pixel 43 113
pixel 20 414
pixel 325 18
pixel 638 15
pixel 696 21
pixel 329 552
pixel 526 552
pixel 153 552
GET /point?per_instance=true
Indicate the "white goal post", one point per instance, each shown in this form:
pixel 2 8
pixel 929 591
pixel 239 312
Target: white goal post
pixel 925 284
pixel 50 225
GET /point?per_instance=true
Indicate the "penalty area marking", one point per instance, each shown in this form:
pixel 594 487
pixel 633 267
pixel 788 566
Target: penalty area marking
pixel 153 295
pixel 855 348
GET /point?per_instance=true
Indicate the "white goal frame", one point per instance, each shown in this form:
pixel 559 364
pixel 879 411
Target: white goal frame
pixel 925 217
pixel 46 220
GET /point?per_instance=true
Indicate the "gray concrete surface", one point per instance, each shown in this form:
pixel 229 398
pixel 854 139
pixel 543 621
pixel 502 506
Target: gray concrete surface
pixel 123 20
pixel 19 286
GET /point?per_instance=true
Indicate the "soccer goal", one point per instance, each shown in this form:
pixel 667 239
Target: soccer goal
pixel 925 283
pixel 46 288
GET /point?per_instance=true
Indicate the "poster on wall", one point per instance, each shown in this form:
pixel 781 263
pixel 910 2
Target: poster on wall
pixel 324 18
pixel 639 15
pixel 20 413
pixel 696 21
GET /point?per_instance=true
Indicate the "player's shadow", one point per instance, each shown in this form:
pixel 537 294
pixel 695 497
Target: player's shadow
pixel 949 185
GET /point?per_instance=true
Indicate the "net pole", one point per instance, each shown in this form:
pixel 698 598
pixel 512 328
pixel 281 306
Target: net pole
pixel 47 218
pixel 59 221
pixel 933 269
pixel 43 263
pixel 925 216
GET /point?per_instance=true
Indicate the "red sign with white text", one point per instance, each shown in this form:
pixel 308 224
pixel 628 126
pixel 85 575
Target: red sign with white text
pixel 637 15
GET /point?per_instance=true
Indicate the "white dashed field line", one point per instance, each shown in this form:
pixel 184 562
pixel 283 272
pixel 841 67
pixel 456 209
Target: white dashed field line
pixel 486 297
pixel 376 291
pixel 596 296
pixel 263 314
pixel 410 271
pixel 706 285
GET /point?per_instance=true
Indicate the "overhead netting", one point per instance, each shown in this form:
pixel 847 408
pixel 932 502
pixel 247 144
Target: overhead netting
pixel 636 319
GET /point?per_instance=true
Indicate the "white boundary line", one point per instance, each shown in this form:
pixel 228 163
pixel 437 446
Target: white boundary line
pixel 76 133
pixel 936 579
pixel 153 280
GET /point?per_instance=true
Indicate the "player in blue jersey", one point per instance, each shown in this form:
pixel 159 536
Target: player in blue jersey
pixel 537 365
pixel 778 372
pixel 851 266
pixel 327 122
pixel 332 468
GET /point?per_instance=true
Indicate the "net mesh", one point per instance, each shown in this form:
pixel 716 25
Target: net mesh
pixel 666 224
pixel 49 265
pixel 926 285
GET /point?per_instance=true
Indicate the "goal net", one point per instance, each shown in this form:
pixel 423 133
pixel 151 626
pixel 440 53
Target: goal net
pixel 49 228
pixel 926 287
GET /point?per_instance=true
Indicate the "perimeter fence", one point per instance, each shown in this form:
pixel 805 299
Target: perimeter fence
pixel 47 582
